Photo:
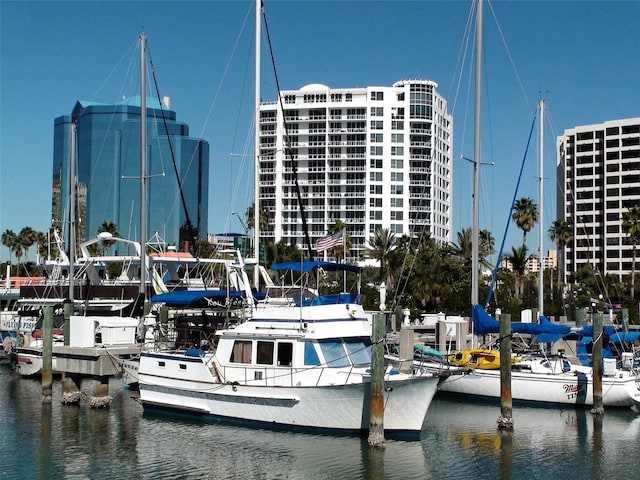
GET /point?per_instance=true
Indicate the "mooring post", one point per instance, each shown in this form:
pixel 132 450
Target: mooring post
pixel 597 371
pixel 376 403
pixel 67 311
pixel 47 355
pixel 505 421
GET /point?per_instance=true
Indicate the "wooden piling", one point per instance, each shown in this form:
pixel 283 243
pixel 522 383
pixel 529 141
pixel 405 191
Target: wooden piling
pixel 597 372
pixel 67 312
pixel 505 421
pixel 376 403
pixel 47 356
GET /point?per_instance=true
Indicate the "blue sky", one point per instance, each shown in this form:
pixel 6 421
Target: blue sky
pixel 582 54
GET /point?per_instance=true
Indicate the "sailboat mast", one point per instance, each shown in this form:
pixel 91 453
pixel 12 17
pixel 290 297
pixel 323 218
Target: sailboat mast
pixel 541 196
pixel 256 147
pixel 143 164
pixel 475 257
pixel 72 208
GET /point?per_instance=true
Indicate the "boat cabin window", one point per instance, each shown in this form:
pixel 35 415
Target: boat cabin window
pixel 310 354
pixel 359 350
pixel 285 354
pixel 264 353
pixel 334 353
pixel 241 352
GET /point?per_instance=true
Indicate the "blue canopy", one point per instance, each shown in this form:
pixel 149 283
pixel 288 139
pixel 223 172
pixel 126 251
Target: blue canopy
pixel 483 323
pixel 309 265
pixel 625 337
pixel 193 298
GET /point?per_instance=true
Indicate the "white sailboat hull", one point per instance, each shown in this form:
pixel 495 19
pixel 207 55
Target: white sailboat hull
pixel 29 362
pixel 331 408
pixel 620 390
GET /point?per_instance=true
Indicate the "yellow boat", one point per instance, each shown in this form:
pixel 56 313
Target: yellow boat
pixel 479 358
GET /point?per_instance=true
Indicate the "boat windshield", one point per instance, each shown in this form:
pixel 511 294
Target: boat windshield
pixel 359 350
pixel 334 353
pixel 352 351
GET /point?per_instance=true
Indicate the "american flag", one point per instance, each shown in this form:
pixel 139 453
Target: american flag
pixel 330 241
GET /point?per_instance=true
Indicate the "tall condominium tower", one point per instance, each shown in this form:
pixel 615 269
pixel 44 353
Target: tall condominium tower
pixel 108 171
pixel 373 158
pixel 598 170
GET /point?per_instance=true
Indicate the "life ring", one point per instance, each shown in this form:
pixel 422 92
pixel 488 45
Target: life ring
pixel 8 343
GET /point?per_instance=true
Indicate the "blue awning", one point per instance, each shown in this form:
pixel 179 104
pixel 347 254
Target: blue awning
pixel 191 298
pixel 309 265
pixel 625 337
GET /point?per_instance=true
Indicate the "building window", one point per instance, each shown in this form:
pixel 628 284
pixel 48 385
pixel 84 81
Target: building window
pixel 375 189
pixel 376 124
pixel 375 202
pixel 397 150
pixel 375 215
pixel 396 189
pixel 375 150
pixel 377 111
pixel 396 215
pixel 397 138
pixel 397 228
pixel 397 176
pixel 397 125
pixel 397 163
pixel 375 137
pixel 396 202
pixel 377 96
pixel 375 176
pixel 375 163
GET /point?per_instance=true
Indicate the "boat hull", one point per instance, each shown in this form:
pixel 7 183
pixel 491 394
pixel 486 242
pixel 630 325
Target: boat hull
pixel 28 362
pixel 328 408
pixel 619 390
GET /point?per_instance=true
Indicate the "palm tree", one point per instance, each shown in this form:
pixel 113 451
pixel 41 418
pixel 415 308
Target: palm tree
pixel 631 226
pixel 340 251
pixel 379 248
pixel 265 216
pixel 518 259
pixel 42 242
pixel 28 236
pixel 525 215
pixel 463 249
pixel 560 232
pixel 112 228
pixel 11 241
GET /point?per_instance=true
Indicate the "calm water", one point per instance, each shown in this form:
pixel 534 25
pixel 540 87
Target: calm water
pixel 460 442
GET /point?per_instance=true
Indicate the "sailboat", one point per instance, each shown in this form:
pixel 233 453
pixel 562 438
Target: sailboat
pixel 535 379
pixel 299 367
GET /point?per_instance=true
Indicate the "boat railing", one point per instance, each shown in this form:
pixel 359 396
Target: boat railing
pixel 333 299
pixel 269 375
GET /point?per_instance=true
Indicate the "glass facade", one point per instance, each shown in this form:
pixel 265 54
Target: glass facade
pixel 108 172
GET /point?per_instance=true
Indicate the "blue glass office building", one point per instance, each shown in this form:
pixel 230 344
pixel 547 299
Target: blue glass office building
pixel 108 172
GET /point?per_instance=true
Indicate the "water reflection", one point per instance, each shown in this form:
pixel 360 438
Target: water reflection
pixel 461 440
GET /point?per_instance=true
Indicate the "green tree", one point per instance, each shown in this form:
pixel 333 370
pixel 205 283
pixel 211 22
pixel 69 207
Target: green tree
pixel 464 248
pixel 525 216
pixel 42 240
pixel 265 217
pixel 518 259
pixel 28 236
pixel 341 251
pixel 11 241
pixel 560 233
pixel 109 227
pixel 631 226
pixel 379 248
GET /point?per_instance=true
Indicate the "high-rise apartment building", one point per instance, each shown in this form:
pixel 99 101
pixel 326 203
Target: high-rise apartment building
pixel 108 171
pixel 371 157
pixel 598 169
